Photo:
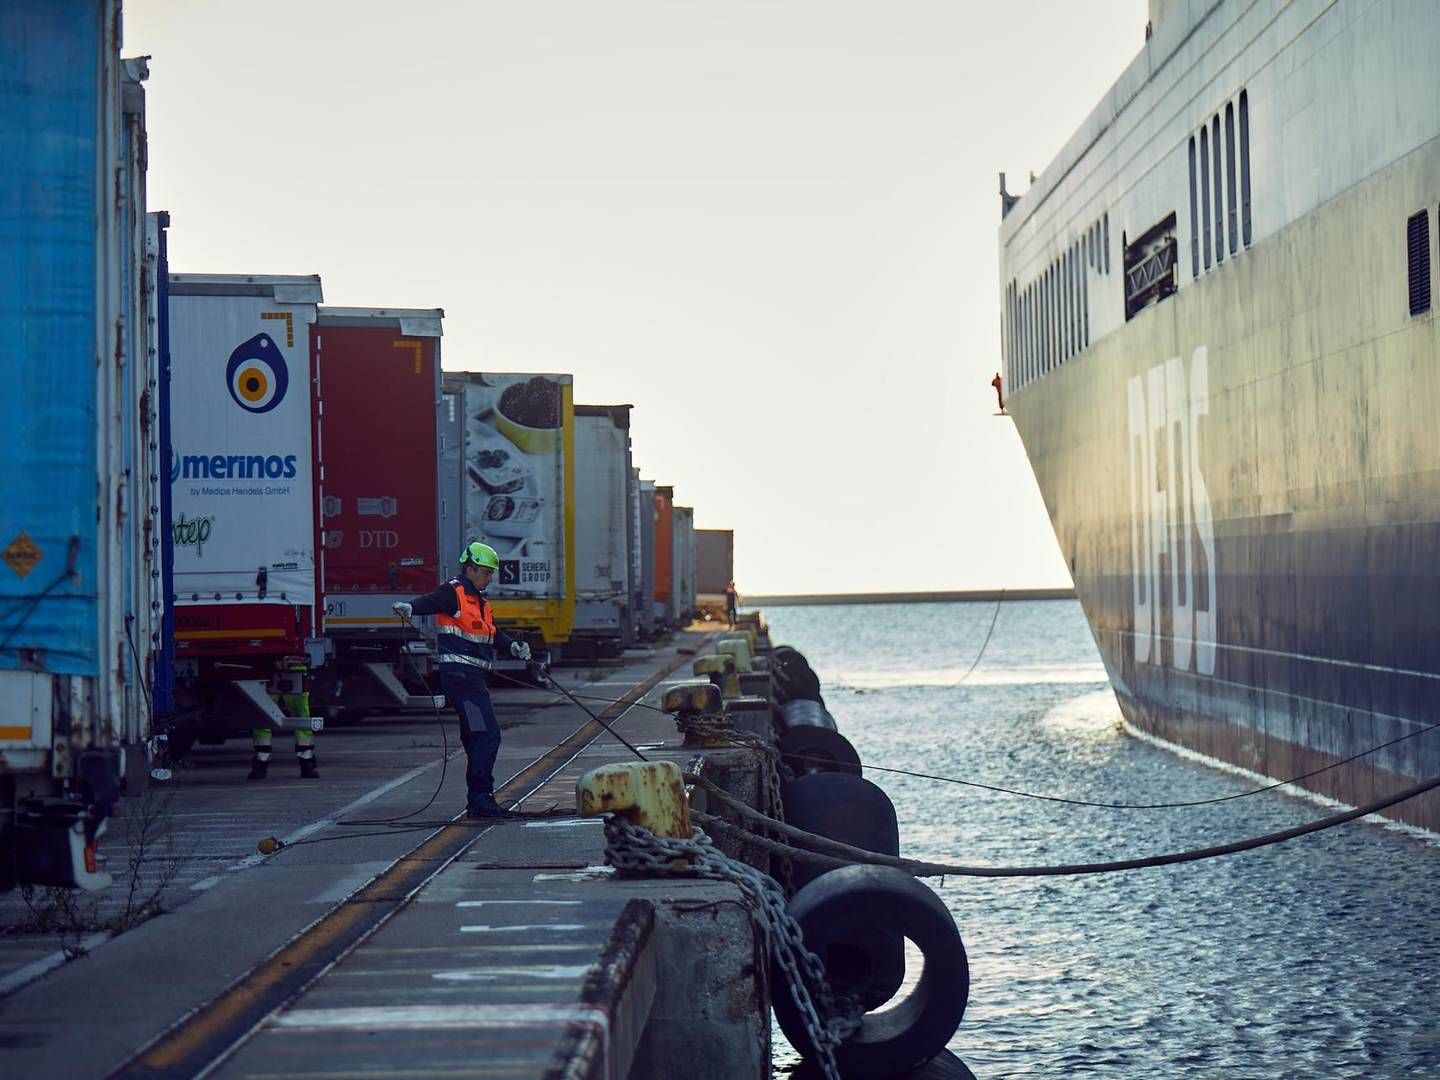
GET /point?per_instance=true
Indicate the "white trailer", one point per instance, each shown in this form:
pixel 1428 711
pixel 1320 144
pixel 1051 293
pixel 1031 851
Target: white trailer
pixel 604 617
pixel 683 605
pixel 245 431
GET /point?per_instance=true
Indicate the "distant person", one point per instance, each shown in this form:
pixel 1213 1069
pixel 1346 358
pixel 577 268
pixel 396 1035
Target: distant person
pixel 465 646
pixel 997 383
pixel 732 601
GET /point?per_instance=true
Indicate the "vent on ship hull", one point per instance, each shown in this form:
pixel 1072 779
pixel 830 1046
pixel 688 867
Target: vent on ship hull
pixel 1417 242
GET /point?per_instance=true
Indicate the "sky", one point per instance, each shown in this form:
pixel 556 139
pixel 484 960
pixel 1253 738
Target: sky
pixel 770 225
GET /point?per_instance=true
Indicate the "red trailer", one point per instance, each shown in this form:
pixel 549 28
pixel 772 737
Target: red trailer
pixel 378 374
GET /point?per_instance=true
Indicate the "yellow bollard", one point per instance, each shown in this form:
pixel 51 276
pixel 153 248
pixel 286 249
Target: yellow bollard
pixel 749 633
pixel 648 794
pixel 739 648
pixel 720 669
pixel 693 697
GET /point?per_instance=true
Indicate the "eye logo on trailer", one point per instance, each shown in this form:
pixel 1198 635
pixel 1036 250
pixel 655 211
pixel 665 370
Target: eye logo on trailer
pixel 256 374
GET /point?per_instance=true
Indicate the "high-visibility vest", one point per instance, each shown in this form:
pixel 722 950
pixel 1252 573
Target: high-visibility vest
pixel 467 638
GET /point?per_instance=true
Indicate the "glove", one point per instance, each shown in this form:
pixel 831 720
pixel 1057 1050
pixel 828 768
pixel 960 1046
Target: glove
pixel 401 608
pixel 520 650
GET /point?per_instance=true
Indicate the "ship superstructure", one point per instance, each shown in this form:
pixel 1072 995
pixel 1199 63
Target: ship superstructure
pixel 1221 354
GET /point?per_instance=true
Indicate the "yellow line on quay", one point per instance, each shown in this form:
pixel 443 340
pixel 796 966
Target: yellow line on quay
pixel 211 1033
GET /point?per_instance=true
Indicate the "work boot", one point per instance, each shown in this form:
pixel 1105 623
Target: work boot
pixel 489 810
pixel 258 768
pixel 309 768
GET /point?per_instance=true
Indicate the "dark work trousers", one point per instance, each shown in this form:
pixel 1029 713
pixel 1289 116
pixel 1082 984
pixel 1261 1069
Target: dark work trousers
pixel 479 733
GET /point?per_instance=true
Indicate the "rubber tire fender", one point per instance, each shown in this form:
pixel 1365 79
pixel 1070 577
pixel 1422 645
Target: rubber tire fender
pixel 793 676
pixel 806 712
pixel 843 807
pixel 830 911
pixel 852 810
pixel 816 749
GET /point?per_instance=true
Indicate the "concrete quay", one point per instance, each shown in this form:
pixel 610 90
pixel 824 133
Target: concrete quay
pixel 454 948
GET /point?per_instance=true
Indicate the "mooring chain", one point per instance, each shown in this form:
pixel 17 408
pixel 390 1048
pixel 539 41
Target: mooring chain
pixel 707 727
pixel 719 728
pixel 628 847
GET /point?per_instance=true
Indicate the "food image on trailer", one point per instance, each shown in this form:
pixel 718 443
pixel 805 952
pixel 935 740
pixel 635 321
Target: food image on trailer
pixel 514 478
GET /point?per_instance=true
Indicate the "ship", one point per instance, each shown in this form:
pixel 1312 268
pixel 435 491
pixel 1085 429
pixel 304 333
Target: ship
pixel 1221 354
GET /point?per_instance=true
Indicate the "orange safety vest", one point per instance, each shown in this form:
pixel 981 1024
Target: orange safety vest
pixel 474 627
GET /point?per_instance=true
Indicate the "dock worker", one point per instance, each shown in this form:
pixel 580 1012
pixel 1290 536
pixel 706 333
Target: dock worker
pixel 288 691
pixel 465 644
pixel 732 601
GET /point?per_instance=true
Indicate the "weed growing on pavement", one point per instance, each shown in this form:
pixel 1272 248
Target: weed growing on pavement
pixel 152 859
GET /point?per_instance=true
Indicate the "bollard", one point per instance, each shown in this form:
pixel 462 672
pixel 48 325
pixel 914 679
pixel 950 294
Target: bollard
pixel 739 648
pixel 720 668
pixel 648 794
pixel 749 633
pixel 693 697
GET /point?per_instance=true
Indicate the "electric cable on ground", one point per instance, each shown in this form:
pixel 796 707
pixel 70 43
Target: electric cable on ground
pixel 543 670
pixel 444 761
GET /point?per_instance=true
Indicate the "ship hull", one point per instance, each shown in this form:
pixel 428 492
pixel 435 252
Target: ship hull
pixel 1245 481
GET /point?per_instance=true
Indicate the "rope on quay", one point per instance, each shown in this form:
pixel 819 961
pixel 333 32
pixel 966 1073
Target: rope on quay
pixel 844 853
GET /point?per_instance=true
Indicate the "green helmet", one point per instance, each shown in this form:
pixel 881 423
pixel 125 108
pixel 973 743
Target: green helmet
pixel 480 554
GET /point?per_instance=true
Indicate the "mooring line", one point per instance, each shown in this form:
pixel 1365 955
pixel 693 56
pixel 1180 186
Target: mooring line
pixel 845 853
pixel 736 745
pixel 984 644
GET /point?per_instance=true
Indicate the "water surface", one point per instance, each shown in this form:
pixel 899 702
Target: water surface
pixel 1313 958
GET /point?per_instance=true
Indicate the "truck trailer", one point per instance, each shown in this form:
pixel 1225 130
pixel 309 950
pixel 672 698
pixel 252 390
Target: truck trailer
pixel 663 564
pixel 245 431
pixel 642 616
pixel 649 617
pixel 508 462
pixel 682 577
pixel 377 374
pixel 604 615
pixel 714 569
pixel 82 536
